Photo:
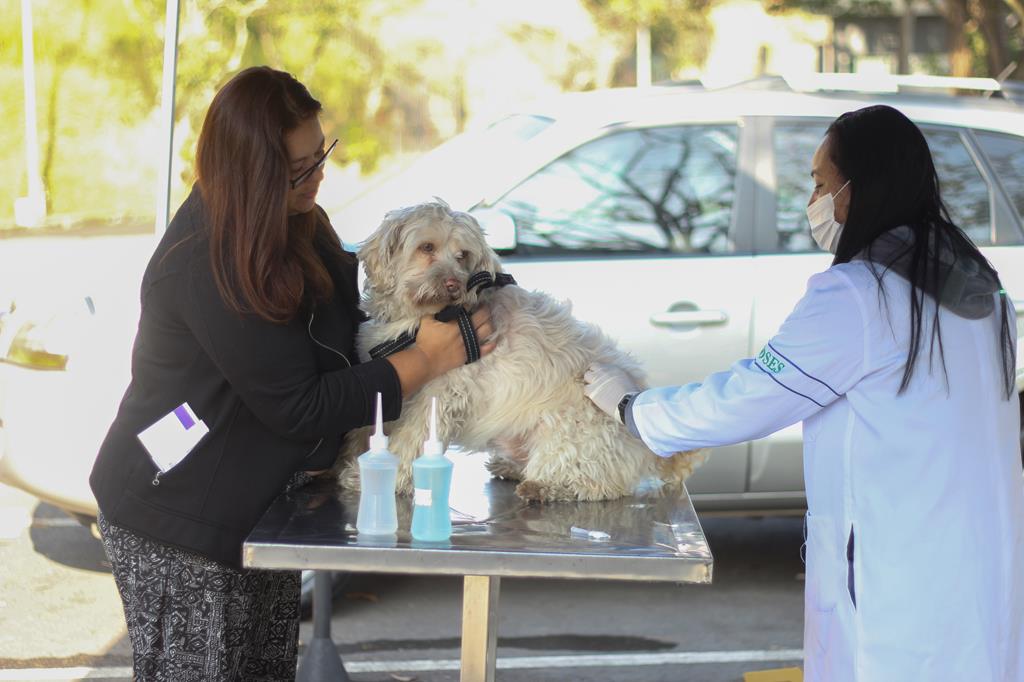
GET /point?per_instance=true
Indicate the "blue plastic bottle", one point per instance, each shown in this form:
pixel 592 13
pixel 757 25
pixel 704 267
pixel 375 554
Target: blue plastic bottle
pixel 378 469
pixel 432 482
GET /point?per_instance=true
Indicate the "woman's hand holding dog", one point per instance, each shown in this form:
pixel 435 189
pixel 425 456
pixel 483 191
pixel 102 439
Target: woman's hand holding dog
pixel 438 349
pixel 442 341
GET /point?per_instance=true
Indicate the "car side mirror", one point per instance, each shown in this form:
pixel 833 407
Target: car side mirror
pixel 499 228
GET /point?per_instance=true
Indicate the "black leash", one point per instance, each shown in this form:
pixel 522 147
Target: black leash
pixel 482 280
pixel 393 346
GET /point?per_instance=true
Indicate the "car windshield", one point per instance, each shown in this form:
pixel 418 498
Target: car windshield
pixel 444 171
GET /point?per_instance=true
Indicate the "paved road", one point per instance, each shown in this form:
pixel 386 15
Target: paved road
pixel 60 616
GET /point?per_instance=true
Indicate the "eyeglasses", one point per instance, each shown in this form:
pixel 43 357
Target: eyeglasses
pixel 295 182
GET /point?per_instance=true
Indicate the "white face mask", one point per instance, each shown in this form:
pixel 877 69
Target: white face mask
pixel 822 217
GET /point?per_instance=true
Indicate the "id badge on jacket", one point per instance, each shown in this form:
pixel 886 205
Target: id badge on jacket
pixel 172 437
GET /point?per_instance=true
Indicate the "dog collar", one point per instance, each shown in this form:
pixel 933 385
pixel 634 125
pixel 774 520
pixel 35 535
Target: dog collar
pixel 479 280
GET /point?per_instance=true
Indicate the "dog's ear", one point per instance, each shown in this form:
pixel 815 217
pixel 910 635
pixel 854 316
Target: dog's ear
pixel 378 251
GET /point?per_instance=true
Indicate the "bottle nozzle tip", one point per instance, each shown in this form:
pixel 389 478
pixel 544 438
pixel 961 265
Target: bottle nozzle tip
pixel 378 441
pixel 433 445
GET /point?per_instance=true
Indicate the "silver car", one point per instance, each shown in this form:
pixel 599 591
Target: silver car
pixel 672 217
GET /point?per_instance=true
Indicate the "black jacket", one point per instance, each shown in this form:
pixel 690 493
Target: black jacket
pixel 277 399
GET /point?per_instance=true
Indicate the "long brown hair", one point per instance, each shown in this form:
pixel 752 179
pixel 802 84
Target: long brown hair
pixel 264 261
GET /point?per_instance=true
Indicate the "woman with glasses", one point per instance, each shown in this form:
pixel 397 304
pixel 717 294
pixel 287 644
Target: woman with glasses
pixel 244 381
pixel 900 362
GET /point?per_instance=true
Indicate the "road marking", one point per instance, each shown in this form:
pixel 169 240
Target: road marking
pixel 63 674
pixel 16 520
pixel 57 523
pixel 508 663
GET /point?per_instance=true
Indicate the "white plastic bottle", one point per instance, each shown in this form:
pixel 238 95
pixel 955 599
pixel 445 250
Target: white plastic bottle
pixel 378 469
pixel 432 482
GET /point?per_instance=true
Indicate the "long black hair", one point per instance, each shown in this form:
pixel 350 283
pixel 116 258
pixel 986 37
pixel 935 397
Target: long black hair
pixel 889 165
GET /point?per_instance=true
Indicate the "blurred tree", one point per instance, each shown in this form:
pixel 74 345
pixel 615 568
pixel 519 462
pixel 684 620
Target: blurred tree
pixel 569 65
pixel 98 68
pixel 679 29
pixel 986 37
pixel 95 62
pixel 329 45
pixel 90 36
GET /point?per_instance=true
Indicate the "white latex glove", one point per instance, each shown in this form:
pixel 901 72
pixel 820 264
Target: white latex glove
pixel 605 386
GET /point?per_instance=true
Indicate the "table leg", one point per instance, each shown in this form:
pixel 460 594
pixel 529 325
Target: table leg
pixel 479 627
pixel 321 663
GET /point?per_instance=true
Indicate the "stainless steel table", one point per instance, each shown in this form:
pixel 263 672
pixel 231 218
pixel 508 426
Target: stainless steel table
pixel 653 535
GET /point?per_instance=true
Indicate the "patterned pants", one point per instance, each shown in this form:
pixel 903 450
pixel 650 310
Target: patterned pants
pixel 191 619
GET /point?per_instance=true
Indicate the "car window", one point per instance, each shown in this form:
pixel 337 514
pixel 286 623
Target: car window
pixel 654 190
pixel 1006 154
pixel 964 189
pixel 794 146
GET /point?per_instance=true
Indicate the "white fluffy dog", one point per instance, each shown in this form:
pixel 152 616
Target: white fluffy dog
pixel 523 402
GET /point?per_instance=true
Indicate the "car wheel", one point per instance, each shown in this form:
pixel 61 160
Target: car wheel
pixel 338 581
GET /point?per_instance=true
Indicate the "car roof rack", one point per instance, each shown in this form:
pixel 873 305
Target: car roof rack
pixel 860 82
pixel 921 84
pixel 887 83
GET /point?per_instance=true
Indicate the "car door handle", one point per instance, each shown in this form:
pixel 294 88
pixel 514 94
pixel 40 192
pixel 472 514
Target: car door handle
pixel 673 319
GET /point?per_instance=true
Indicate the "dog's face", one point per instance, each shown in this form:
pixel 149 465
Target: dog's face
pixel 418 260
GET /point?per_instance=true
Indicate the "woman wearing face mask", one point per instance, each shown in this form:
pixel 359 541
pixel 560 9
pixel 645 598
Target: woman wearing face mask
pixel 899 360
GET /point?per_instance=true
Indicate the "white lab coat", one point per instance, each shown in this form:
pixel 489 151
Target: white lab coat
pixel 928 483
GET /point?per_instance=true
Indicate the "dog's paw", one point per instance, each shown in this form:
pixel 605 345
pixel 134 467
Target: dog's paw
pixel 503 468
pixel 532 491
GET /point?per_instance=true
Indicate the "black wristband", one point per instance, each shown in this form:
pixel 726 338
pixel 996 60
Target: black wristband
pixel 626 400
